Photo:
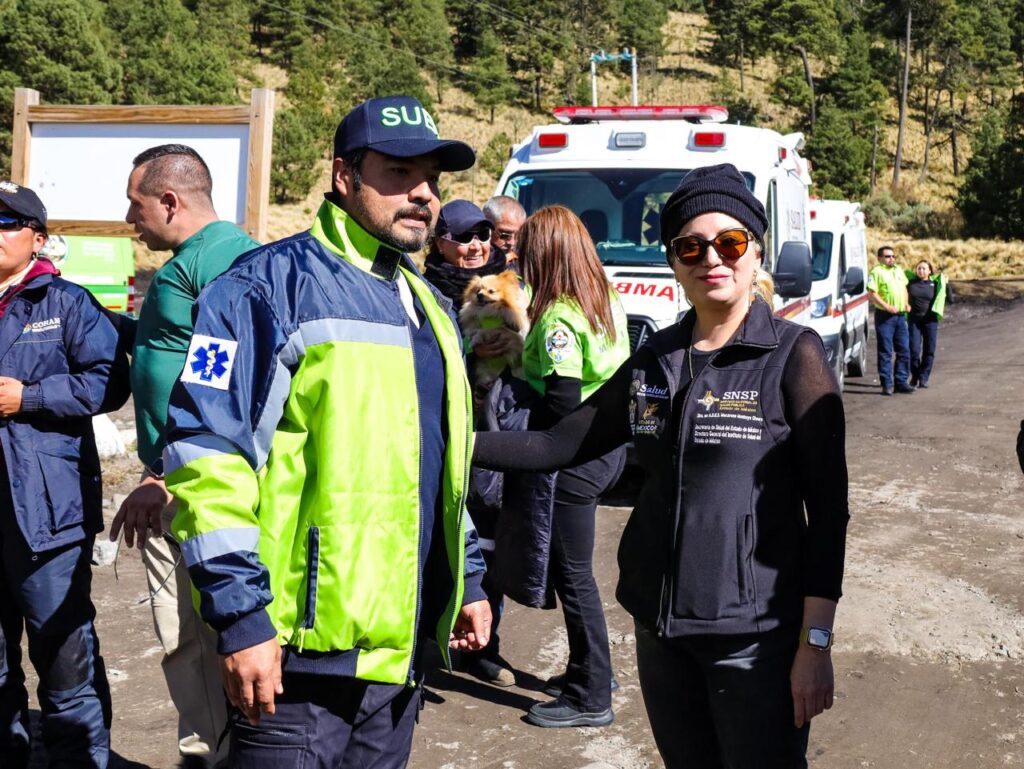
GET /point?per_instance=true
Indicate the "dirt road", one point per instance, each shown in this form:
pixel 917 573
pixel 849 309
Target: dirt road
pixel 930 633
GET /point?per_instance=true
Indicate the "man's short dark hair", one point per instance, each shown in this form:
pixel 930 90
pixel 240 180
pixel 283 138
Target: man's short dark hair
pixel 886 248
pixel 354 163
pixel 173 166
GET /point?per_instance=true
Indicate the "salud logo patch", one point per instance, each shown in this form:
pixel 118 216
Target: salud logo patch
pixel 209 361
pixel 559 343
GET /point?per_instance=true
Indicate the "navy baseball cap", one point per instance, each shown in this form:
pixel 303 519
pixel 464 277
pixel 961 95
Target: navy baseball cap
pixel 399 126
pixel 23 201
pixel 459 216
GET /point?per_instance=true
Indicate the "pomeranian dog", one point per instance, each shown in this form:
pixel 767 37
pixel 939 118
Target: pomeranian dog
pixel 494 314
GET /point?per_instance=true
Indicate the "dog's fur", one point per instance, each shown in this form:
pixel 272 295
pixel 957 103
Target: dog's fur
pixel 494 313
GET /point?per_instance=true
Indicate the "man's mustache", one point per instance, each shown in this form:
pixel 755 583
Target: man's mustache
pixel 417 212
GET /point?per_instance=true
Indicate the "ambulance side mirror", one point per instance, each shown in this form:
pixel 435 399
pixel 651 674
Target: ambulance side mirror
pixel 792 274
pixel 853 281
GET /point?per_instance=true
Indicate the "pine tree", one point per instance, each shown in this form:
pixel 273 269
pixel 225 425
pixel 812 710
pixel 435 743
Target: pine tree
pixel 303 129
pixel 806 28
pixel 489 80
pixel 165 58
pixel 841 156
pixel 991 198
pixel 63 49
pixel 737 28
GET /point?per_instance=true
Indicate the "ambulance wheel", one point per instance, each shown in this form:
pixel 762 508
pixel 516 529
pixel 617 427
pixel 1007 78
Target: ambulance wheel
pixel 839 365
pixel 859 363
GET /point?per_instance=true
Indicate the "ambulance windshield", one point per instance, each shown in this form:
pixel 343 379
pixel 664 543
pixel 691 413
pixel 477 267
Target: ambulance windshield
pixel 619 206
pixel 821 254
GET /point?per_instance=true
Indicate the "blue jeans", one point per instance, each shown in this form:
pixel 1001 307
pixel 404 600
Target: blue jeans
pixel 717 701
pixel 46 595
pixel 922 356
pixel 892 338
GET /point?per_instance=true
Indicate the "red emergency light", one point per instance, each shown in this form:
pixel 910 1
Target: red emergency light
pixel 709 139
pixel 814 214
pixel 708 113
pixel 553 141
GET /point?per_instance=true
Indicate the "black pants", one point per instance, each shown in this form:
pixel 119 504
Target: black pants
pixel 589 674
pixel 717 702
pixel 329 721
pixel 924 337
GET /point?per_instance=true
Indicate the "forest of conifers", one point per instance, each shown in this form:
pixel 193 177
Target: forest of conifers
pixel 848 73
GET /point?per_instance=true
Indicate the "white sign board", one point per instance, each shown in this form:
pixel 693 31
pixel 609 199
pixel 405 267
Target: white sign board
pixel 79 157
pixel 80 170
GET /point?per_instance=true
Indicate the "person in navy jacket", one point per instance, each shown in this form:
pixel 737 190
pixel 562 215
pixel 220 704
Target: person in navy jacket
pixel 59 365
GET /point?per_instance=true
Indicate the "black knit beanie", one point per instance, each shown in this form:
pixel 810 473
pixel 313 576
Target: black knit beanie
pixel 718 188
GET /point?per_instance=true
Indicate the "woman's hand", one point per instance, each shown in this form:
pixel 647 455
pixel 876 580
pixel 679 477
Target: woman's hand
pixel 813 683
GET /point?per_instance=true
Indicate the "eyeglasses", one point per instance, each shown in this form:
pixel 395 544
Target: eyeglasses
pixel 729 244
pixel 465 238
pixel 9 223
pixel 506 234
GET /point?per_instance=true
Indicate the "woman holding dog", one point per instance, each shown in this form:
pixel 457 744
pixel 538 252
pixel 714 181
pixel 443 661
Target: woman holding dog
pixel 731 563
pixel 578 338
pixel 461 250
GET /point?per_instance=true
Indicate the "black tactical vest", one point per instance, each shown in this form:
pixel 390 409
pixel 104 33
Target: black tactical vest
pixel 714 545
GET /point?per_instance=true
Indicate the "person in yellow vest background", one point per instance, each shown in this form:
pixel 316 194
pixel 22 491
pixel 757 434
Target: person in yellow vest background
pixel 887 291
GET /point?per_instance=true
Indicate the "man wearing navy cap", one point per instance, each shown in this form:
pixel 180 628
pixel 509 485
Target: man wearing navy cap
pixel 318 445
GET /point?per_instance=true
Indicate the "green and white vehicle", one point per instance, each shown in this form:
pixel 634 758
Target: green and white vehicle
pixel 105 266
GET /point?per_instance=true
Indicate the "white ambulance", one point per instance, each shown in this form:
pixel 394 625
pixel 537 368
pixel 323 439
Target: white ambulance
pixel 617 166
pixel 839 302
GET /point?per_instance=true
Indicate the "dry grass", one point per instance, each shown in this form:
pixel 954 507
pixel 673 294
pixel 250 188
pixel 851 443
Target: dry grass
pixel 958 259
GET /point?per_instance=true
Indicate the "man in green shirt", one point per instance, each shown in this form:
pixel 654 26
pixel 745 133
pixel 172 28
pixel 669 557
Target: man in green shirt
pixel 887 291
pixel 171 209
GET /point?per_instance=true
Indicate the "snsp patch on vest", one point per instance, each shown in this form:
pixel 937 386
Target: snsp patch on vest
pixel 735 416
pixel 559 343
pixel 209 361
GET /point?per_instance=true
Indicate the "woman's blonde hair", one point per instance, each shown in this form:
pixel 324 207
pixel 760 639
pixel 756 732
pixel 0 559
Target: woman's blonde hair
pixel 764 286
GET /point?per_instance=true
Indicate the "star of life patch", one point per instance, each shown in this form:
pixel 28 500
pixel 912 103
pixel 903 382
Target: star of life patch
pixel 559 343
pixel 209 361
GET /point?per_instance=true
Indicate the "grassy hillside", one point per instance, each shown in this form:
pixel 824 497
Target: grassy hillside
pixel 685 76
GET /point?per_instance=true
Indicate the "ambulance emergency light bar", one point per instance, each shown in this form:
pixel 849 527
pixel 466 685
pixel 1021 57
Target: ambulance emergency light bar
pixel 692 113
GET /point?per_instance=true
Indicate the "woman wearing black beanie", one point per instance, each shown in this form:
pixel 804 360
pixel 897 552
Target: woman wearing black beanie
pixel 731 563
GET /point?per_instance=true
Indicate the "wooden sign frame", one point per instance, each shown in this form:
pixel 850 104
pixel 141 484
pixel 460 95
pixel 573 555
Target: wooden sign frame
pixel 259 115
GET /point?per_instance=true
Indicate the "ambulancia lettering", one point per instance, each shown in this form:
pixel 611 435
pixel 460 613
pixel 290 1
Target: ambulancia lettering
pixel 626 288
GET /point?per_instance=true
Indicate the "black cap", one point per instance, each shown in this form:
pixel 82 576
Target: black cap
pixel 719 188
pixel 23 201
pixel 459 216
pixel 399 126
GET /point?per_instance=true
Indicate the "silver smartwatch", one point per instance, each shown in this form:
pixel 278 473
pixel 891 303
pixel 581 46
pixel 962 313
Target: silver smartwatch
pixel 819 638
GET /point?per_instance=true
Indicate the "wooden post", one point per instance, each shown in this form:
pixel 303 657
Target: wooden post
pixel 21 134
pixel 261 144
